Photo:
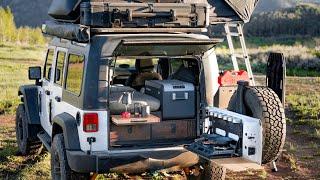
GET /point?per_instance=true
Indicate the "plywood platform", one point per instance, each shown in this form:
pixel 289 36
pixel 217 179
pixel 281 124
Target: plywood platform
pixel 237 164
pixel 119 121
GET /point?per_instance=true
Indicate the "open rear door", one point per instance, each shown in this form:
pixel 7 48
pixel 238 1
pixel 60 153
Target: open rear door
pixel 159 47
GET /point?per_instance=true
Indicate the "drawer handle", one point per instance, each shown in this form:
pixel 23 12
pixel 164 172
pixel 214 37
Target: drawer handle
pixel 129 130
pixel 173 128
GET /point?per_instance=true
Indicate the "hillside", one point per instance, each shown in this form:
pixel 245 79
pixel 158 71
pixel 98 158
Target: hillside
pixel 303 20
pixel 34 12
pixel 28 13
pixel 272 5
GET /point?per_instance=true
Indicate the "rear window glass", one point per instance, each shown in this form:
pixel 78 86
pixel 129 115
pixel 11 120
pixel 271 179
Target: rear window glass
pixel 48 65
pixel 74 73
pixel 59 68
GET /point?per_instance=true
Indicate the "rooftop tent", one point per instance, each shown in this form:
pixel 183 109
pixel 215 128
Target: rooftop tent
pixel 65 10
pixel 221 11
pixel 244 8
pixel 229 10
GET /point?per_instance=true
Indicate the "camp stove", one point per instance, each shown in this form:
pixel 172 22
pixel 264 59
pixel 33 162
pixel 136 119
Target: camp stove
pixel 213 146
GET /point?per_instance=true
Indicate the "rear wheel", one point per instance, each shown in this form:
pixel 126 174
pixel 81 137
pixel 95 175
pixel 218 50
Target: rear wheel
pixel 263 103
pixel 26 145
pixel 213 172
pixel 60 169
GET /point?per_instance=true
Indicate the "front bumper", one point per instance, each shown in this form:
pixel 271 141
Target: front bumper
pixel 134 162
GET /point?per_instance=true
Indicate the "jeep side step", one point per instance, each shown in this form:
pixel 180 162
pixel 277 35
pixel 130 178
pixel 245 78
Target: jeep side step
pixel 45 139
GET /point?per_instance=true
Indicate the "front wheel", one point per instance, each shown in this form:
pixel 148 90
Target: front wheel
pixel 264 104
pixel 60 169
pixel 26 144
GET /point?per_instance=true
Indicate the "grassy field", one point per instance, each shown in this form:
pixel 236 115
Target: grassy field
pixel 300 159
pixel 301 60
pixel 14 63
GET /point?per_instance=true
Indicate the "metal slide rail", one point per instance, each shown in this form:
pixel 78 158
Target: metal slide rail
pixel 234 56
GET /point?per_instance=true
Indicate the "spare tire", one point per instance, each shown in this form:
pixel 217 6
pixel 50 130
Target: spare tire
pixel 264 104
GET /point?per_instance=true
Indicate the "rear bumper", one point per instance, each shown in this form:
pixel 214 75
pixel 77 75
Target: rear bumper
pixel 137 162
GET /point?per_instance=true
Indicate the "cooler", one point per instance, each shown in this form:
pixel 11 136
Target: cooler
pixel 177 98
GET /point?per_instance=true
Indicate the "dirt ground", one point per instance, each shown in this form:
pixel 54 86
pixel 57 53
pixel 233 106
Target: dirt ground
pixel 299 160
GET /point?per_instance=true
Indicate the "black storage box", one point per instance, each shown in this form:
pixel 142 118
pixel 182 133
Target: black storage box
pixel 135 15
pixel 177 98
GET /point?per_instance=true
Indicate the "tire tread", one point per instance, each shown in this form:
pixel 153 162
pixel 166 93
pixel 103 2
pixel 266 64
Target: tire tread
pixel 274 123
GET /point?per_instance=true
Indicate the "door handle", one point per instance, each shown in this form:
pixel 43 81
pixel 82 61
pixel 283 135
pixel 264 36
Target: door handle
pixel 48 93
pixel 58 99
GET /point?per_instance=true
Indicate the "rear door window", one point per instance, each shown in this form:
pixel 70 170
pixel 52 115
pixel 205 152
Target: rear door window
pixel 74 73
pixel 48 64
pixel 60 68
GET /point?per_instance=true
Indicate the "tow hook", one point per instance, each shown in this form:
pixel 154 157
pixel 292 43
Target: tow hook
pixel 90 140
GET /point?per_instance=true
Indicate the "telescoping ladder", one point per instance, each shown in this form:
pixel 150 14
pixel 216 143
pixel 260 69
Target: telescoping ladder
pixel 234 56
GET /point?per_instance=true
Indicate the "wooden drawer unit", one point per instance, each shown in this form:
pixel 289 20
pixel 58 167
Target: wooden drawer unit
pixel 178 129
pixel 150 133
pixel 130 133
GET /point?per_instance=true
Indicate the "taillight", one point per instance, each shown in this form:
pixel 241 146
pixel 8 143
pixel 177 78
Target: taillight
pixel 90 122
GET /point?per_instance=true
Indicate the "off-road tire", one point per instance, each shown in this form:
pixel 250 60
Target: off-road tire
pixel 26 144
pixel 263 103
pixel 213 172
pixel 60 169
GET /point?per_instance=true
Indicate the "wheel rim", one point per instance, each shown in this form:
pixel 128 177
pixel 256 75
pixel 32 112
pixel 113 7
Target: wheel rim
pixel 56 166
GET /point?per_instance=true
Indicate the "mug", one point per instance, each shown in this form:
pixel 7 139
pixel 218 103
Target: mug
pixel 145 111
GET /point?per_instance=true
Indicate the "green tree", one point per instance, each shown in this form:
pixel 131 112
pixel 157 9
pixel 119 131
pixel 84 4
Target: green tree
pixel 24 35
pixel 7 25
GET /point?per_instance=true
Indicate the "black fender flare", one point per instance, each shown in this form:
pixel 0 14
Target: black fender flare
pixel 30 99
pixel 67 125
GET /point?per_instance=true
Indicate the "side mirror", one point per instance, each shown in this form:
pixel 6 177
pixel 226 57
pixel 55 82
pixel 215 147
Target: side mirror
pixel 35 73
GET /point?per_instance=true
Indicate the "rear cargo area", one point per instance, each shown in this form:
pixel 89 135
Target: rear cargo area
pixel 153 102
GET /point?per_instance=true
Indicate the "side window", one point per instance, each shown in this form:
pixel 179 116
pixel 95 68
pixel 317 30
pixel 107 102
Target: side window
pixel 74 73
pixel 59 68
pixel 48 65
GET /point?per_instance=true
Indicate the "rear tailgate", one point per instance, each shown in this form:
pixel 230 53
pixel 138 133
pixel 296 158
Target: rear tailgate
pixel 161 47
